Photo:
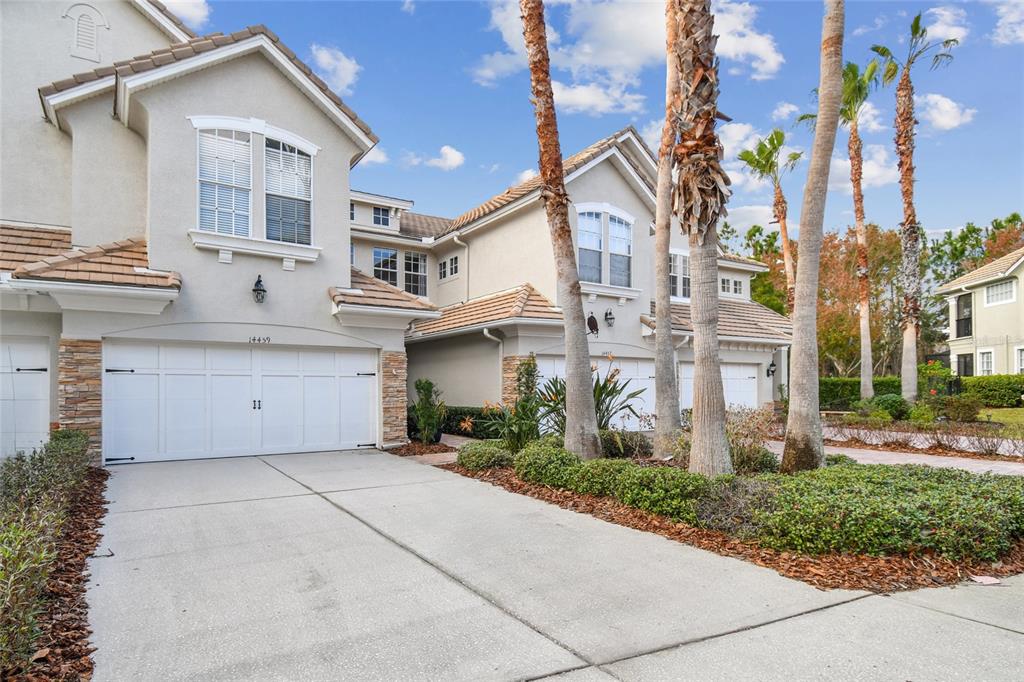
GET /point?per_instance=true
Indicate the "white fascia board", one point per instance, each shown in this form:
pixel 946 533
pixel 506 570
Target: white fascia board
pixel 258 126
pixel 736 265
pixel 379 317
pixel 57 101
pixel 161 20
pixel 380 200
pixel 131 84
pixel 362 233
pixel 988 280
pixel 416 337
pixel 610 290
pixel 641 147
pixel 108 298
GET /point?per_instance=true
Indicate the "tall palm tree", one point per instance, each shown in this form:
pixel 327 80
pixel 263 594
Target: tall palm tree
pixel 763 162
pixel 701 191
pixel 804 448
pixel 910 231
pixel 580 416
pixel 666 387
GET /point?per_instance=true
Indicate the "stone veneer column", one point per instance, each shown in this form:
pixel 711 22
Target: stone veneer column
pixel 79 389
pixel 509 370
pixel 394 393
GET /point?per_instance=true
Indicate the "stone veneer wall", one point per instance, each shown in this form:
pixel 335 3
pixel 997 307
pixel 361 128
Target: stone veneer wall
pixel 394 393
pixel 79 389
pixel 509 368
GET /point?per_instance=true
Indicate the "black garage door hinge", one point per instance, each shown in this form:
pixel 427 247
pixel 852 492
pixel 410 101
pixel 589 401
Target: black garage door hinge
pixel 366 374
pixel 366 445
pixel 113 371
pixel 29 369
pixel 119 459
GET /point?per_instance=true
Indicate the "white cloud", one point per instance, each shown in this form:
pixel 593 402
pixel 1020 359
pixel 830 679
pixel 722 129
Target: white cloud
pixel 338 71
pixel 743 217
pixel 783 110
pixel 651 132
pixel 740 41
pixel 946 22
pixel 409 6
pixel 942 112
pixel 491 168
pixel 595 100
pixel 449 158
pixel 375 155
pixel 195 13
pixel 879 22
pixel 736 137
pixel 1009 28
pixel 879 169
pixel 526 175
pixel 870 119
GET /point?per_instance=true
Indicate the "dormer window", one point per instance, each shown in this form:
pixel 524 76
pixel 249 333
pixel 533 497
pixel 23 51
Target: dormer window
pixel 381 216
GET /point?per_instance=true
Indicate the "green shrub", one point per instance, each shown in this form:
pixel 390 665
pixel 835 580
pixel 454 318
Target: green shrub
pixel 960 408
pixel 611 399
pixel 487 454
pixel 922 415
pixel 428 409
pixel 762 461
pixel 546 463
pixel 997 390
pixel 616 443
pixel 839 460
pixel 839 393
pixel 464 421
pixel 669 491
pixel 598 476
pixel 894 404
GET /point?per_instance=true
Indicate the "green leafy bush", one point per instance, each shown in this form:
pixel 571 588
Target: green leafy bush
pixel 611 399
pixel 839 393
pixel 894 404
pixel 839 460
pixel 669 491
pixel 543 462
pixel 997 390
pixel 517 423
pixel 598 476
pixel 960 408
pixel 487 454
pixel 464 421
pixel 428 409
pixel 617 443
pixel 922 415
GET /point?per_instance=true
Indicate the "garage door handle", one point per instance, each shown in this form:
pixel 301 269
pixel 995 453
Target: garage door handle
pixel 366 374
pixel 115 371
pixel 257 404
pixel 30 369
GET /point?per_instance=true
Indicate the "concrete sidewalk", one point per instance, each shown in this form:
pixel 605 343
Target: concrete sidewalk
pixel 362 565
pixel 870 456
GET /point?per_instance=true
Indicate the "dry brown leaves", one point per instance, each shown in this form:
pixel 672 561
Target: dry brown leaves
pixel 415 448
pixel 830 571
pixel 931 450
pixel 63 651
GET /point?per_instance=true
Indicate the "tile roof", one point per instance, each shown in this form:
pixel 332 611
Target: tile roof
pixel 370 291
pixel 162 8
pixel 570 164
pixel 997 268
pixel 21 245
pixel 736 258
pixel 178 52
pixel 522 301
pixel 737 318
pixel 420 225
pixel 124 262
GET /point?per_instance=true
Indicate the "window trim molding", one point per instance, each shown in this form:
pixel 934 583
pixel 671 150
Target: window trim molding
pixel 1017 366
pixel 977 361
pixel 604 207
pixel 213 241
pixel 399 273
pixel 312 185
pixel 252 190
pixel 1013 292
pixel 425 274
pixel 258 126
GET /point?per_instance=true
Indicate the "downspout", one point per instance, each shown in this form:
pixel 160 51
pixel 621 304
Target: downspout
pixel 466 269
pixel 501 359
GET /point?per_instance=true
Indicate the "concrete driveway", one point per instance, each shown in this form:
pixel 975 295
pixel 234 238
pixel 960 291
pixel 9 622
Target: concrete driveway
pixel 362 565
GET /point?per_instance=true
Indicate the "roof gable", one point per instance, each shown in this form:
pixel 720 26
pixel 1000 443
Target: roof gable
pixel 519 303
pixel 372 292
pixel 1000 267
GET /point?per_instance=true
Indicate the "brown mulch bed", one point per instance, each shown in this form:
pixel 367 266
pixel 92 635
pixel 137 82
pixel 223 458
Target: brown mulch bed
pixel 415 448
pixel 940 452
pixel 63 651
pixel 830 571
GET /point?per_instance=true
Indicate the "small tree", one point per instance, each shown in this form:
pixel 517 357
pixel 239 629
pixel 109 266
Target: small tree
pixel 429 410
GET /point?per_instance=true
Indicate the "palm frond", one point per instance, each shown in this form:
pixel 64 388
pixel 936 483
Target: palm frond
pixel 810 119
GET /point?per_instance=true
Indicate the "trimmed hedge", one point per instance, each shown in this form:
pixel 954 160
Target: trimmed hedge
pixel 997 390
pixel 840 393
pixel 487 454
pixel 455 416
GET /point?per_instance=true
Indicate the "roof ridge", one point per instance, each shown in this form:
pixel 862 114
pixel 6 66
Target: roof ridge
pixel 522 296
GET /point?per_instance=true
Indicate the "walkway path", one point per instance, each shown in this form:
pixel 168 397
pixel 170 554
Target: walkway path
pixel 866 456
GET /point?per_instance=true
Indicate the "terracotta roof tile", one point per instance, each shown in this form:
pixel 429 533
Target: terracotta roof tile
pixel 370 291
pixel 198 45
pixel 122 262
pixel 997 268
pixel 520 302
pixel 736 318
pixel 420 225
pixel 741 259
pixel 21 245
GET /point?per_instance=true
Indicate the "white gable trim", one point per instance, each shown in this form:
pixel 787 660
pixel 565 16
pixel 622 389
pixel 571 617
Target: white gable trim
pixel 641 147
pixel 53 103
pixel 258 126
pixel 623 164
pixel 161 20
pixel 129 85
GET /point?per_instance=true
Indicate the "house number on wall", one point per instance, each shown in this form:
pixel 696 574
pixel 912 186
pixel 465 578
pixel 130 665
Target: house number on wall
pixel 259 339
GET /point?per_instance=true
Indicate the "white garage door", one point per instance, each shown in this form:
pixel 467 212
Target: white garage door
pixel 169 401
pixel 640 374
pixel 739 381
pixel 24 394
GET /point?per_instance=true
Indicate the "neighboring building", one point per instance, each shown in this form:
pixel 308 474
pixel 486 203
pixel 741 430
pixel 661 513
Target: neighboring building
pixel 150 179
pixel 986 318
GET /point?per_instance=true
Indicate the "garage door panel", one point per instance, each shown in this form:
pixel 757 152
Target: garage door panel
pixel 185 414
pixel 231 414
pixel 182 357
pixel 24 393
pixel 319 362
pixel 321 407
pixel 739 384
pixel 282 412
pixel 350 363
pixel 132 355
pixel 358 412
pixel 279 360
pixel 219 358
pixel 131 422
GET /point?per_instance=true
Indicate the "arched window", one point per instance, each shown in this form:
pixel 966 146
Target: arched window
pixel 86 22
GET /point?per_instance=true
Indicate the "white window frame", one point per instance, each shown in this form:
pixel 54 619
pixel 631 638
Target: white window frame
pixel 442 269
pixel 737 284
pixel 605 211
pixel 199 181
pixel 453 266
pixel 1013 293
pixel 681 255
pixel 266 192
pixel 398 265
pixel 374 217
pixel 424 273
pixel 979 369
pixel 1018 366
pixel 351 211
pixel 629 229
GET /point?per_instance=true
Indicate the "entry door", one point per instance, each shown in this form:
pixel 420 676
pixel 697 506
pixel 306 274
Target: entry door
pixel 24 394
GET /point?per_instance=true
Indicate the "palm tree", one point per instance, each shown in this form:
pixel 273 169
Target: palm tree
pixel 910 230
pixel 763 162
pixel 666 388
pixel 580 416
pixel 701 191
pixel 804 448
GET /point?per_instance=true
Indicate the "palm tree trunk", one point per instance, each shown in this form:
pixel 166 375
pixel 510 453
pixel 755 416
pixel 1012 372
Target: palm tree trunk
pixel 867 389
pixel 804 448
pixel 580 415
pixel 781 210
pixel 666 387
pixel 701 192
pixel 910 235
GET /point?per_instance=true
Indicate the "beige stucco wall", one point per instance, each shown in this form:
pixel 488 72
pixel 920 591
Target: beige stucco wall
pixel 36 50
pixel 999 328
pixel 467 369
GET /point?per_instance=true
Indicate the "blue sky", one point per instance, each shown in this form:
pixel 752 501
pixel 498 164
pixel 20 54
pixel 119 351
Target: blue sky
pixel 444 85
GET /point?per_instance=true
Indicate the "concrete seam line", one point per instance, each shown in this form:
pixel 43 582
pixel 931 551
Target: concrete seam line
pixel 957 615
pixel 377 487
pixel 718 635
pixel 437 567
pixel 211 504
pixel 562 671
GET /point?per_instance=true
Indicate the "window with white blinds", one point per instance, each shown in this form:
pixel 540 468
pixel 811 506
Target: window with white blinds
pixel 620 245
pixel 679 275
pixel 289 188
pixel 225 181
pixel 590 241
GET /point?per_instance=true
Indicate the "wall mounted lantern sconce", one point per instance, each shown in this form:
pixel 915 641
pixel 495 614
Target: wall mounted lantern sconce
pixel 259 292
pixel 609 318
pixel 771 369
